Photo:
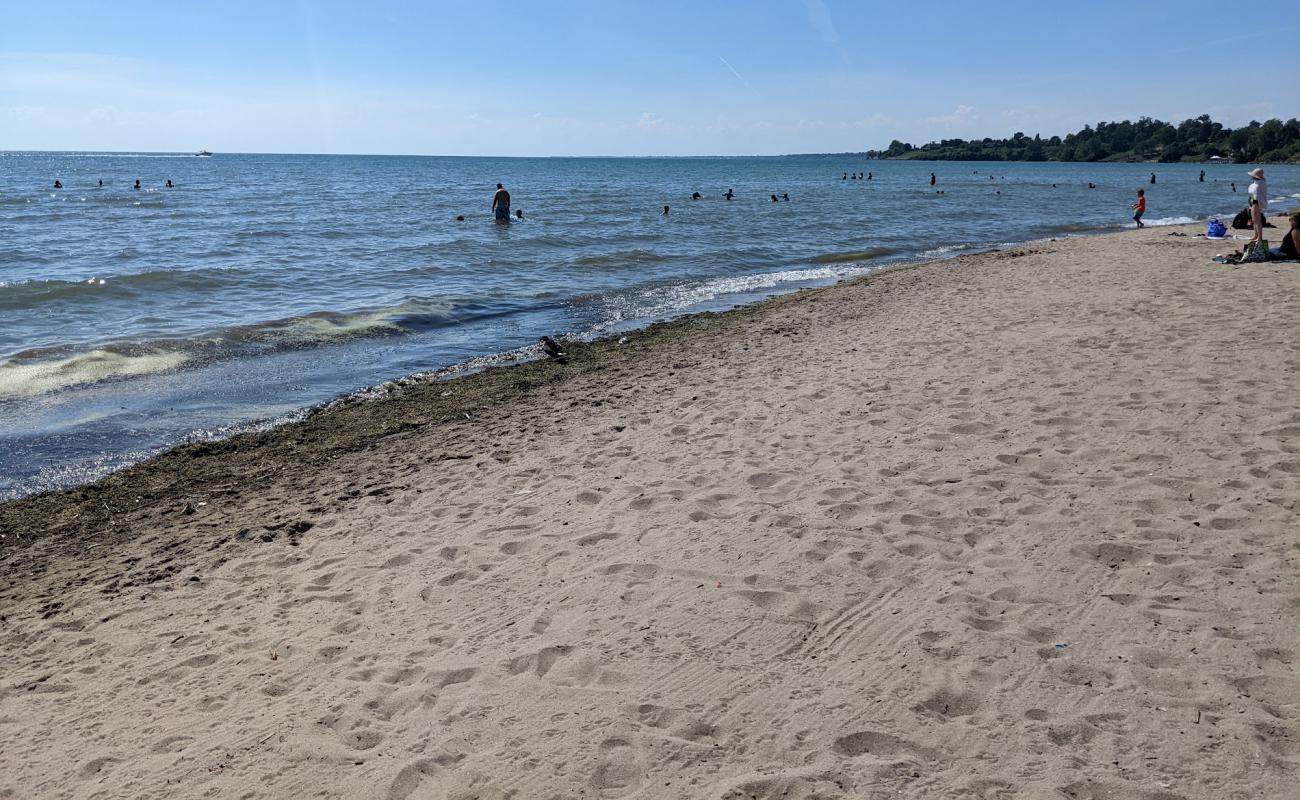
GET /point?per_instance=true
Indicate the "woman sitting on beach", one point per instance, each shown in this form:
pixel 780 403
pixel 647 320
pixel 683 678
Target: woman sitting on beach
pixel 1290 247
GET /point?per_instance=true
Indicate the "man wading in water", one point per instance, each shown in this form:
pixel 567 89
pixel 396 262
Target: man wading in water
pixel 501 204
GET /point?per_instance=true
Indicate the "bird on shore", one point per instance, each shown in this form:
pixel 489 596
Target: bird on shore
pixel 552 349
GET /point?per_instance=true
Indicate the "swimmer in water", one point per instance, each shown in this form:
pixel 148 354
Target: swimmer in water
pixel 169 183
pixel 501 204
pixel 519 214
pixel 101 184
pixel 775 199
pixel 58 184
pixel 460 217
pixel 695 195
pixel 844 177
pixel 665 211
pixel 137 184
pixel 730 194
pixel 870 175
pixel 785 197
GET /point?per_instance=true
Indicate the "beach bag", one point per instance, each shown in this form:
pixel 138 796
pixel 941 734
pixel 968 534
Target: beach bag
pixel 1255 252
pixel 1242 220
pixel 1215 229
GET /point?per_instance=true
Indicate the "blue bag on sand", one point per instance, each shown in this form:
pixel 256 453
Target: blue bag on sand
pixel 1216 229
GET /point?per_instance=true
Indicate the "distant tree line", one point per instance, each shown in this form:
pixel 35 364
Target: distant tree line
pixel 1200 139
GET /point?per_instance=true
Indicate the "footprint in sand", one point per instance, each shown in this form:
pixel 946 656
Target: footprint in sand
pixel 877 744
pixel 419 780
pixel 618 771
pixel 948 703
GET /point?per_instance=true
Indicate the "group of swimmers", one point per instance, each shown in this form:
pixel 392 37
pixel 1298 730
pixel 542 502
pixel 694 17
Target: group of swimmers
pixel 58 184
pixel 501 200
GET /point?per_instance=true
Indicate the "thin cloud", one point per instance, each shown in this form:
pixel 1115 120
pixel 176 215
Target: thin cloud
pixel 733 70
pixel 819 17
pixel 961 116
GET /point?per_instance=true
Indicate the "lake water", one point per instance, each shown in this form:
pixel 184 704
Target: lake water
pixel 261 285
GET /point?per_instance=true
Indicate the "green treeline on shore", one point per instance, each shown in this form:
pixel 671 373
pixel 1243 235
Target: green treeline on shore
pixel 1200 139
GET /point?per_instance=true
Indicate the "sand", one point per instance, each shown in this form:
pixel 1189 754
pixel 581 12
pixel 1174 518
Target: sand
pixel 1021 524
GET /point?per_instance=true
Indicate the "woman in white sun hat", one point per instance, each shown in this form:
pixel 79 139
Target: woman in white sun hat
pixel 1258 193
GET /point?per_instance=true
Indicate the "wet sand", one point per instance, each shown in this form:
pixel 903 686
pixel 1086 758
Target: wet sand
pixel 1020 524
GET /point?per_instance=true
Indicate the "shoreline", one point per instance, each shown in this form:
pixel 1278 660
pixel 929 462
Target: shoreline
pixel 356 419
pixel 518 356
pixel 1019 523
pixel 59 502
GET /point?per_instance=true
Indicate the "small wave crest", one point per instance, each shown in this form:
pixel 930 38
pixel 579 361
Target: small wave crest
pixel 326 326
pixel 48 369
pixel 620 259
pixel 21 295
pixel 19 379
pixel 853 255
pixel 951 250
pixel 1169 221
pixel 662 302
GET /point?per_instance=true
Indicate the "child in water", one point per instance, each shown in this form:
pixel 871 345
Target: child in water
pixel 1140 208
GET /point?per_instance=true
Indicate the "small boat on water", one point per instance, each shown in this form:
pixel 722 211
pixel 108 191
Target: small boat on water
pixel 203 153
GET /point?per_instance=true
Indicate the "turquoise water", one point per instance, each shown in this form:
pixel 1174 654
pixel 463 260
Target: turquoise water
pixel 261 285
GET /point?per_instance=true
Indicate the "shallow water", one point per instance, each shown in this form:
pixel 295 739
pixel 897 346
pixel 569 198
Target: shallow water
pixel 261 285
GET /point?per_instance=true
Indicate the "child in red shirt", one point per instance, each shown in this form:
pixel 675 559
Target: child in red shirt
pixel 1140 208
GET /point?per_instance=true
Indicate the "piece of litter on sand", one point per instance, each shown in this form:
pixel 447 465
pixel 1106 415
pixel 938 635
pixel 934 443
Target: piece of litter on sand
pixel 623 340
pixel 524 491
pixel 1062 645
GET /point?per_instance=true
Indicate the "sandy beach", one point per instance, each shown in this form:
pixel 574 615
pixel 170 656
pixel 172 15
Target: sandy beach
pixel 1019 524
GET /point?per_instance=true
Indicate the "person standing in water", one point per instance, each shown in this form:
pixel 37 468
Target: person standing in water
pixel 501 204
pixel 1140 208
pixel 1202 176
pixel 137 184
pixel 931 178
pixel 665 211
pixel 730 194
pixel 1153 179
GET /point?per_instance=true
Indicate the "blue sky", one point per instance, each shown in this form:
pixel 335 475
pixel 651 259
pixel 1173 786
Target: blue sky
pixel 619 78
